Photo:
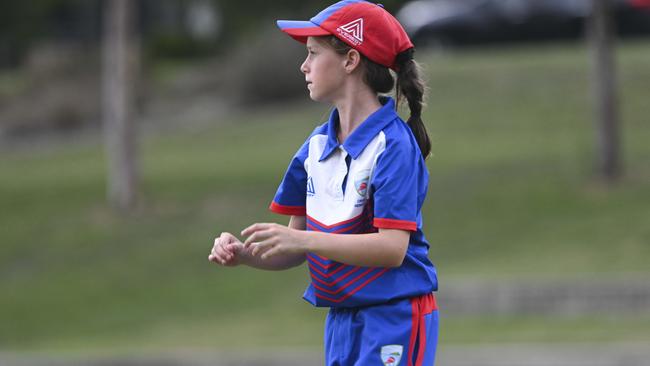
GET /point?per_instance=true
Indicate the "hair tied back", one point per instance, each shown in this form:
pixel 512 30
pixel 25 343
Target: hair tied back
pixel 404 57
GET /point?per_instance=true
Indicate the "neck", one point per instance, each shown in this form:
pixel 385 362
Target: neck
pixel 354 108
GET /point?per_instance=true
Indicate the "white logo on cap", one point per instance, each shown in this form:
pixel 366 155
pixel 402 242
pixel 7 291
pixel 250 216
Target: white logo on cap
pixel 352 31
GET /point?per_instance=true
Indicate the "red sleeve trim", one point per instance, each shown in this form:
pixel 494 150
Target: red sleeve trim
pixel 288 210
pixel 395 224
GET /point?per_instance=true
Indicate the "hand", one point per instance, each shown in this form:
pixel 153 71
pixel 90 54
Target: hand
pixel 226 250
pixel 269 239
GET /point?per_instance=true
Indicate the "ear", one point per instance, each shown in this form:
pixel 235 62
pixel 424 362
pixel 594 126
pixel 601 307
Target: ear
pixel 352 61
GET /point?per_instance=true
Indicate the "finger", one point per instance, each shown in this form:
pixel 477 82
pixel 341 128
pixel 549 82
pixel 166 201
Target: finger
pixel 221 255
pixel 215 248
pixel 253 228
pixel 233 248
pixel 257 236
pixel 215 259
pixel 225 254
pixel 262 247
pixel 223 240
pixel 272 252
pixel 219 241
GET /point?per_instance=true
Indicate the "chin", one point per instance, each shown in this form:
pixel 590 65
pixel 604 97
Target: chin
pixel 315 97
pixel 319 97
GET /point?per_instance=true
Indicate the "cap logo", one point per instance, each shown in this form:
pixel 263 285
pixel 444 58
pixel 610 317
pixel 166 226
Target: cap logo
pixel 352 31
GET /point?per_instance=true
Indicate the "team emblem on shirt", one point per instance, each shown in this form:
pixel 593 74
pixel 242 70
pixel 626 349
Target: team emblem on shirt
pixel 391 354
pixel 310 187
pixel 361 182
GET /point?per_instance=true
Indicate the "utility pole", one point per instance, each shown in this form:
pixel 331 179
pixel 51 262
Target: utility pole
pixel 119 60
pixel 605 90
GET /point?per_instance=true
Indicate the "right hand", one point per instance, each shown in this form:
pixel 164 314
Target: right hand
pixel 226 250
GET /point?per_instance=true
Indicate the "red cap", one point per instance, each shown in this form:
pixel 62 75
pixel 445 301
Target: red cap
pixel 365 26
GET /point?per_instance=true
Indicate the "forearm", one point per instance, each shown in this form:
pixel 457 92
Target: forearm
pixel 384 249
pixel 275 263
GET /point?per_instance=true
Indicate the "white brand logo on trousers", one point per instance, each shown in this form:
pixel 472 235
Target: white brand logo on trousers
pixel 352 31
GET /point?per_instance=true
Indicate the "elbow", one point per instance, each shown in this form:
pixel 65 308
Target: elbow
pixel 397 258
pixel 394 264
pixel 395 244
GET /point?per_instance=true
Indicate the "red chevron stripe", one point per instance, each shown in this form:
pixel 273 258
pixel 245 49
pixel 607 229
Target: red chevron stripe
pixel 347 284
pixel 338 269
pixel 312 227
pixel 349 227
pixel 319 256
pixel 330 284
pixel 356 289
pixel 321 265
pixel 336 224
pixel 315 269
pixel 338 231
pixel 332 273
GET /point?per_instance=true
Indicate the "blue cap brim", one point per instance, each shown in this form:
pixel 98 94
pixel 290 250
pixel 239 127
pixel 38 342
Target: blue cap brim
pixel 301 29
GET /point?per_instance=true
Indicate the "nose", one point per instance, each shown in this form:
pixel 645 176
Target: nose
pixel 304 67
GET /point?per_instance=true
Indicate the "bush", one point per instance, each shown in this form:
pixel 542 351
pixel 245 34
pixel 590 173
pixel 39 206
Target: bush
pixel 266 69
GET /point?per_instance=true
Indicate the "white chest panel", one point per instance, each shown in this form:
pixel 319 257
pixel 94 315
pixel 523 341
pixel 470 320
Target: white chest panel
pixel 327 202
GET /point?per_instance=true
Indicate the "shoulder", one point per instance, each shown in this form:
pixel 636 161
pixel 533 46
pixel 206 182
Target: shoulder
pixel 399 139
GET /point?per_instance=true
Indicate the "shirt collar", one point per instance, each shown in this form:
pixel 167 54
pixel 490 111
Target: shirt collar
pixel 362 134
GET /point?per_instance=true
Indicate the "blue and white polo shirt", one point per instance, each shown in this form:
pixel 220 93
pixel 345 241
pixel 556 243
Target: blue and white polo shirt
pixel 376 179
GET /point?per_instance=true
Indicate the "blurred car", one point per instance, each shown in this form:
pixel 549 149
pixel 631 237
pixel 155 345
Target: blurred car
pixel 459 22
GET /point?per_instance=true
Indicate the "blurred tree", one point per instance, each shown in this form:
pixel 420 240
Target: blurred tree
pixel 601 34
pixel 23 23
pixel 243 17
pixel 120 56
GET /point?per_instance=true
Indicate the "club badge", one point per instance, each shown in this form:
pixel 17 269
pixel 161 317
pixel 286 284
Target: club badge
pixel 361 182
pixel 391 354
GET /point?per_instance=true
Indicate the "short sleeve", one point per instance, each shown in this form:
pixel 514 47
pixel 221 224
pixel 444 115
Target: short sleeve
pixel 397 183
pixel 291 194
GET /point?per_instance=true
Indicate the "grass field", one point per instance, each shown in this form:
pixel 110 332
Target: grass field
pixel 513 193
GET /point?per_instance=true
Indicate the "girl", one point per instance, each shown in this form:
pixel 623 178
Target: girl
pixel 354 191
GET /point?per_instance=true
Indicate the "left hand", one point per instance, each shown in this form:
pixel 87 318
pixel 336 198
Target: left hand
pixel 271 239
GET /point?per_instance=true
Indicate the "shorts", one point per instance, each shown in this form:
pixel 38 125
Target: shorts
pixel 400 332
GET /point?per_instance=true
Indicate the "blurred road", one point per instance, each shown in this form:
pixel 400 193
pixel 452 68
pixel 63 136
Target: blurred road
pixel 478 355
pixel 569 297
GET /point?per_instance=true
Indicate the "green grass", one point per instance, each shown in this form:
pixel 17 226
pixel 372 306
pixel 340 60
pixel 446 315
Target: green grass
pixel 517 329
pixel 513 193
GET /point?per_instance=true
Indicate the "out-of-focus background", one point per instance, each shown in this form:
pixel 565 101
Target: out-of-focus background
pixel 134 132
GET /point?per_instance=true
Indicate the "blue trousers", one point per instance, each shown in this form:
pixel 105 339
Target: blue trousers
pixel 401 332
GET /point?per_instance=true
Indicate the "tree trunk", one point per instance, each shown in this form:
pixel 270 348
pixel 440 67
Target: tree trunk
pixel 118 72
pixel 602 39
